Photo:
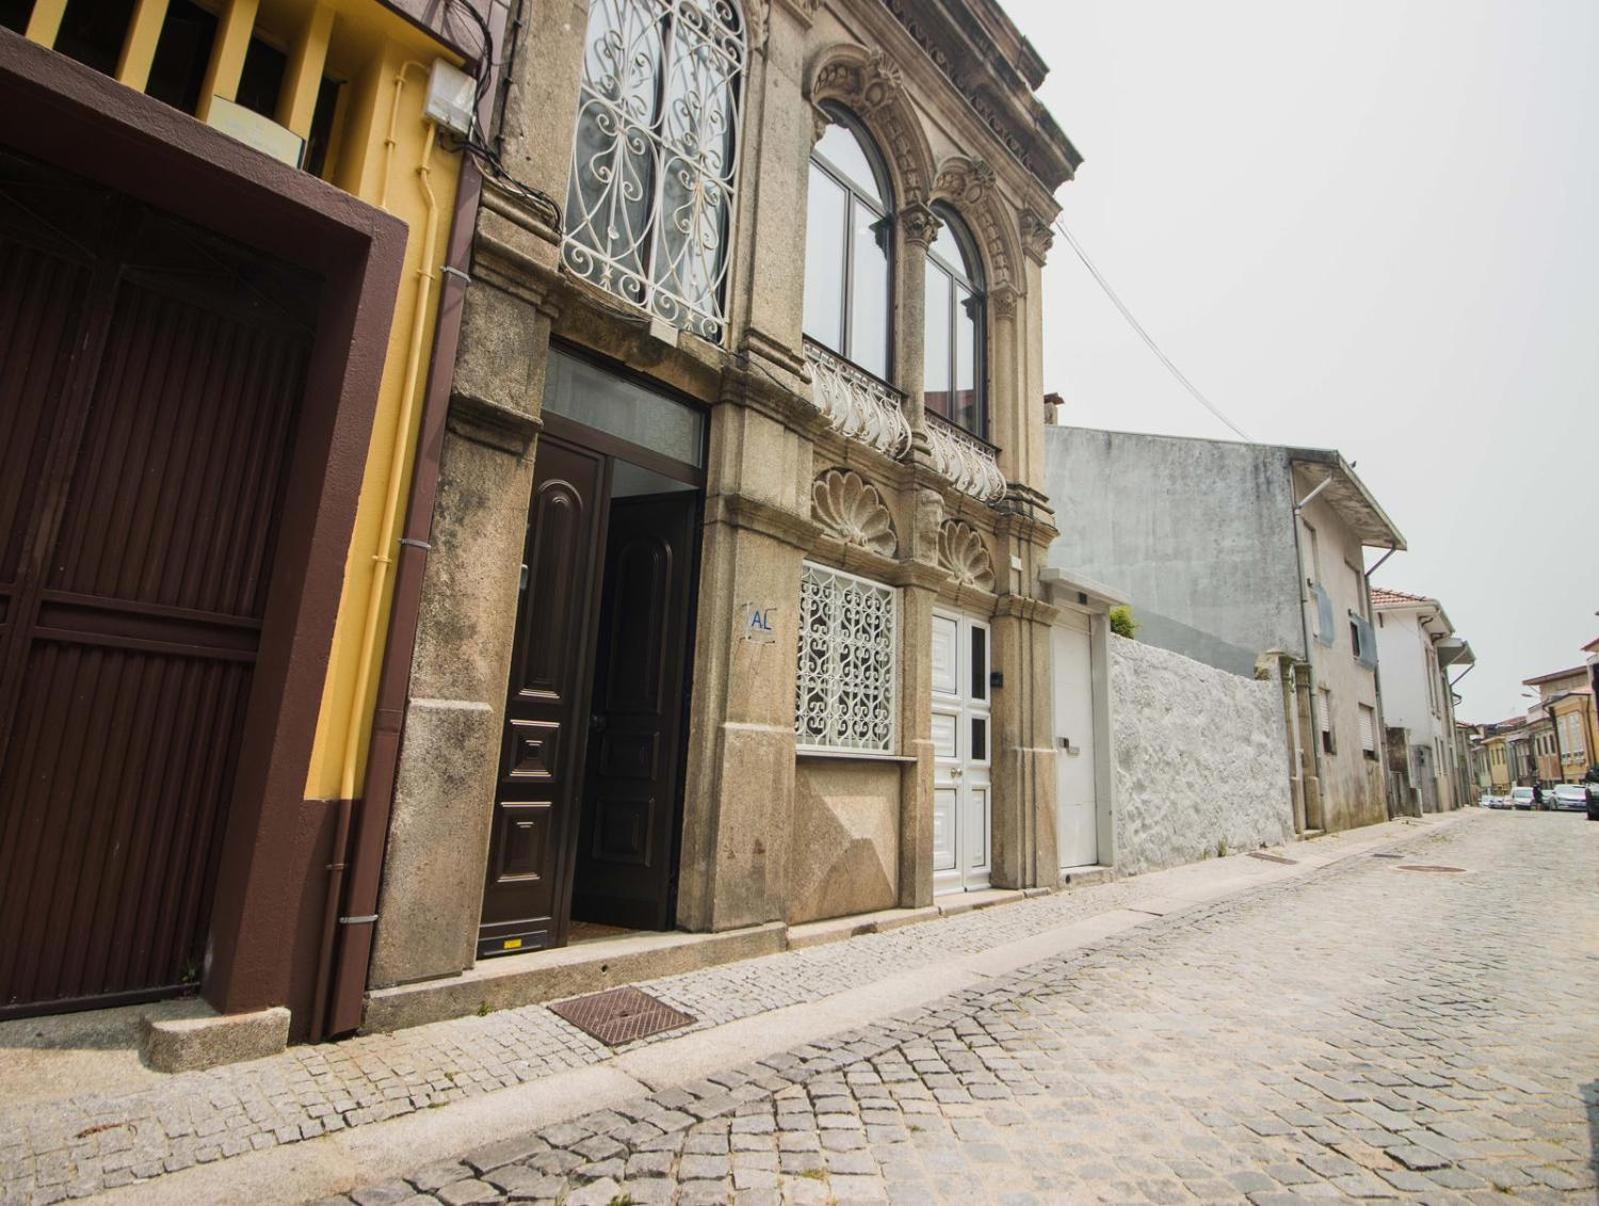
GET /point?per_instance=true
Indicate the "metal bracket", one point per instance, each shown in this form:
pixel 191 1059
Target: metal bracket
pixel 452 270
pixel 367 920
pixel 416 544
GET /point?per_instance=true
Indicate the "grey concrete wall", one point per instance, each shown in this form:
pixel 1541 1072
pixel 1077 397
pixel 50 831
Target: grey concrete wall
pixel 1201 759
pixel 1199 533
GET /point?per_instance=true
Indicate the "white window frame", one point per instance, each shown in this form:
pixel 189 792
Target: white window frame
pixel 834 740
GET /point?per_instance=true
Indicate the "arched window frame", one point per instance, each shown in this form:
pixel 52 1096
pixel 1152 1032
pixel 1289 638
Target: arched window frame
pixel 885 212
pixel 654 125
pixel 968 274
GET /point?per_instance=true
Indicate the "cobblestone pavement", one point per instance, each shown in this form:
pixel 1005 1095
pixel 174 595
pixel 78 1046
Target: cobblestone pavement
pixel 1368 1031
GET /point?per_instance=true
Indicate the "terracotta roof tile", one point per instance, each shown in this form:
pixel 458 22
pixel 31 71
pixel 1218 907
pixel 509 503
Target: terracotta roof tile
pixel 1382 595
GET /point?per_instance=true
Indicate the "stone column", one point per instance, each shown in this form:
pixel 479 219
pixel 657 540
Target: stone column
pixel 432 893
pixel 921 577
pixel 1278 666
pixel 1308 736
pixel 1025 853
pixel 918 227
pixel 1008 411
pixel 739 790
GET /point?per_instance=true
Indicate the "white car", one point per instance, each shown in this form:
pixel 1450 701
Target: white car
pixel 1521 797
pixel 1568 797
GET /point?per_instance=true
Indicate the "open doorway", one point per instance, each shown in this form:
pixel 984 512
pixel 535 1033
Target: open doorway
pixel 588 814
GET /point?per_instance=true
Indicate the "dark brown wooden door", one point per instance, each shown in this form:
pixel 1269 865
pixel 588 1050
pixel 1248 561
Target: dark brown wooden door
pixel 626 857
pixel 526 894
pixel 150 376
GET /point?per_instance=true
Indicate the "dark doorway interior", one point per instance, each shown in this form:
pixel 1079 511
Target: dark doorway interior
pixel 587 819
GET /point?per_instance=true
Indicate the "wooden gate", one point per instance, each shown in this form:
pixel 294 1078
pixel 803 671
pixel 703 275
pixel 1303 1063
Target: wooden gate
pixel 150 376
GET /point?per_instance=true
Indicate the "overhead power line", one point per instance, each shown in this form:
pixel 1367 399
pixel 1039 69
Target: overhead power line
pixel 1154 347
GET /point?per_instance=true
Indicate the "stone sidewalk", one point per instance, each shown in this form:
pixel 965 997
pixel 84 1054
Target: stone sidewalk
pixel 1421 1028
pixel 85 1142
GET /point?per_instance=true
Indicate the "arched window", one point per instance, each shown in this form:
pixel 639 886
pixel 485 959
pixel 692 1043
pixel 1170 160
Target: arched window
pixel 848 242
pixel 649 213
pixel 953 339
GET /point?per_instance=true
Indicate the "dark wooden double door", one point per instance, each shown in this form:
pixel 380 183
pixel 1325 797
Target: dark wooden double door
pixel 150 378
pixel 587 814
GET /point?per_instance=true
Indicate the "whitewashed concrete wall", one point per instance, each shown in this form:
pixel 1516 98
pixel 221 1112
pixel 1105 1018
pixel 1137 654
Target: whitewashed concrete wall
pixel 1201 759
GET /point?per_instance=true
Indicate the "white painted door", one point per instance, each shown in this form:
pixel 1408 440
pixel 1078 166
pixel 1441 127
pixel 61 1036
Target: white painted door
pixel 1076 802
pixel 962 737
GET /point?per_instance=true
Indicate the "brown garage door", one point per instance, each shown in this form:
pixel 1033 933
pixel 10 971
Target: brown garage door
pixel 149 380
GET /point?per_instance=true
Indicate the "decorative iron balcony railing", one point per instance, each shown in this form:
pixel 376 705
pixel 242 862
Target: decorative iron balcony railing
pixel 857 403
pixel 965 460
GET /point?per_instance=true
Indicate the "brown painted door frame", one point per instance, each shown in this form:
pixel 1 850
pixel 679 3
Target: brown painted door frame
pixel 545 754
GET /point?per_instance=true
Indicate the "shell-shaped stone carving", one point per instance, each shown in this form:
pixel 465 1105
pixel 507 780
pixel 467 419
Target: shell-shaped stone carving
pixel 964 553
pixel 850 508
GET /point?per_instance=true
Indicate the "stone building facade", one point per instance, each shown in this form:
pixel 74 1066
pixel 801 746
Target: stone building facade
pixel 731 616
pixel 1237 554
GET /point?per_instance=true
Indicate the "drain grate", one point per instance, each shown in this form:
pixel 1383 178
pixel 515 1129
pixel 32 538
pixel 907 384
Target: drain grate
pixel 1273 858
pixel 621 1015
pixel 1433 867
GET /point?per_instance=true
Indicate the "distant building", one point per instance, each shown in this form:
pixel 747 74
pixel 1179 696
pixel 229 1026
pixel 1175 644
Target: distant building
pixel 1230 551
pixel 1566 705
pixel 1417 647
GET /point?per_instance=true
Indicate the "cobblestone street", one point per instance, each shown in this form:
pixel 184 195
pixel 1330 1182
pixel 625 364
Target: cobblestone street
pixel 1373 1030
pixel 1354 1028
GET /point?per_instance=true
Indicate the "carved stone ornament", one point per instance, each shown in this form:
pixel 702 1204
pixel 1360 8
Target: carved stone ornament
pixel 964 180
pixel 1038 236
pixel 850 508
pixel 870 85
pixel 964 553
pixel 919 224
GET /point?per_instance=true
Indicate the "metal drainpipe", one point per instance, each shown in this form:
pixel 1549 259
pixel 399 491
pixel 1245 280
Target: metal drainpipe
pixel 1304 630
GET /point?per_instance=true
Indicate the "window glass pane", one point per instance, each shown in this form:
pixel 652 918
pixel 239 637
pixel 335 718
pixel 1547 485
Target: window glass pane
pixel 589 395
pixel 935 336
pixel 979 739
pixel 824 260
pixel 869 301
pixel 947 248
pixel 979 663
pixel 967 403
pixel 845 155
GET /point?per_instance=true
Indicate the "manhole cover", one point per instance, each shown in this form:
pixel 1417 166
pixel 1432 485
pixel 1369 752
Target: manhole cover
pixel 1273 858
pixel 1432 867
pixel 621 1015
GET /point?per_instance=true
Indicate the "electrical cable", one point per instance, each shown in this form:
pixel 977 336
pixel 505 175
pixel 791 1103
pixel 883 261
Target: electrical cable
pixel 1138 327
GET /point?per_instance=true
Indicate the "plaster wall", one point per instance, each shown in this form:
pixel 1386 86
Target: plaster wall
pixel 1402 648
pixel 1200 759
pixel 1196 532
pixel 1352 785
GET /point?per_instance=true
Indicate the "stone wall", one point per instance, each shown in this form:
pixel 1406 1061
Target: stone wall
pixel 1201 759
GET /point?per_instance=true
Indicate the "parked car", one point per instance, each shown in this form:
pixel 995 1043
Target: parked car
pixel 1570 797
pixel 1489 800
pixel 1521 797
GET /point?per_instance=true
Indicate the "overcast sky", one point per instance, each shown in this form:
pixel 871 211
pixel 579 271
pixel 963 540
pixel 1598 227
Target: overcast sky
pixel 1363 225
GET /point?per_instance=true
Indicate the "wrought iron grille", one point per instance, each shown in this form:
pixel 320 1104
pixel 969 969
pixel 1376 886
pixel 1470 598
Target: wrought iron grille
pixel 649 214
pixel 847 671
pixel 965 460
pixel 856 403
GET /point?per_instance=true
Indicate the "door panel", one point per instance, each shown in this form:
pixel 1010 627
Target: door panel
pixel 626 849
pixel 1076 799
pixel 546 706
pixel 149 389
pixel 961 755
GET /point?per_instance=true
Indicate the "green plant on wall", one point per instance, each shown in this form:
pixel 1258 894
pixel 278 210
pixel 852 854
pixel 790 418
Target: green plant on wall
pixel 1122 622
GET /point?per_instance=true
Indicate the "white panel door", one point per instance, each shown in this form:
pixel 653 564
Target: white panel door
pixel 1077 824
pixel 962 758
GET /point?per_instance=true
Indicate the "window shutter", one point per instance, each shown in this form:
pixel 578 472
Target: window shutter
pixel 1368 729
pixel 1324 616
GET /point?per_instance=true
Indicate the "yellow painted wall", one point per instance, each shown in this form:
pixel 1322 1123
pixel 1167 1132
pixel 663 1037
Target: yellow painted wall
pixel 366 168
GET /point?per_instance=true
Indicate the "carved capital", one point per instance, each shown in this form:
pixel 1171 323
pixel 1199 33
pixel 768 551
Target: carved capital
pixel 1002 302
pixel 969 181
pixel 920 224
pixel 1038 236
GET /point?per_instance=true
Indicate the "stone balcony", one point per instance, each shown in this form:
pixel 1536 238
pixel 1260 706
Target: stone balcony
pixel 868 409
